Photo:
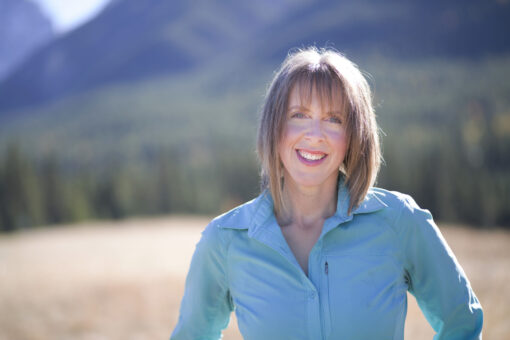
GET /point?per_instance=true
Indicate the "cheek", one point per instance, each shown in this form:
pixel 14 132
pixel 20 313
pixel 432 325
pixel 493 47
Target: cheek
pixel 290 136
pixel 338 141
pixel 283 145
pixel 337 136
pixel 295 128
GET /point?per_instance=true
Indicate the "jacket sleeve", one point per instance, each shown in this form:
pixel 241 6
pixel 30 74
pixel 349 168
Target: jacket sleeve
pixel 435 277
pixel 206 305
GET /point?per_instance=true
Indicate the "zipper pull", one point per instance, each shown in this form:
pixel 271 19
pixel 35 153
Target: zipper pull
pixel 326 268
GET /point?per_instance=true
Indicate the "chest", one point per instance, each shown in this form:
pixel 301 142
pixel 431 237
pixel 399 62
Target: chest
pixel 355 279
pixel 301 242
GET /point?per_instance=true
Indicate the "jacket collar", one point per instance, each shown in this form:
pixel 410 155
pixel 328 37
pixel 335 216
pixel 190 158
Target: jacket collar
pixel 261 213
pixel 258 218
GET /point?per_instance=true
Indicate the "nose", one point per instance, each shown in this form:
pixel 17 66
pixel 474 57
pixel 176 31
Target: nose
pixel 314 132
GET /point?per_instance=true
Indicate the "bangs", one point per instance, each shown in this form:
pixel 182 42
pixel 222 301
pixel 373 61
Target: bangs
pixel 320 80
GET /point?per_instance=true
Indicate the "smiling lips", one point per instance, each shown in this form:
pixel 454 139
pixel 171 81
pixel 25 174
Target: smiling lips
pixel 311 157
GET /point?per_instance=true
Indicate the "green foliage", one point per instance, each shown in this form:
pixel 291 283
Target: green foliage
pixel 20 200
pixel 448 136
pixel 45 192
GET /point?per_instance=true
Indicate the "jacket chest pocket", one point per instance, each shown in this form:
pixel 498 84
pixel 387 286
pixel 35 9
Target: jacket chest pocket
pixel 365 290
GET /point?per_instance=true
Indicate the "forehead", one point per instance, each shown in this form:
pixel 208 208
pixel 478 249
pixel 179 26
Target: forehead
pixel 328 92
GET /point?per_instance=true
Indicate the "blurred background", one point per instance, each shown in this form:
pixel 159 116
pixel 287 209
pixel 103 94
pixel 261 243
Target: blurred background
pixel 151 107
pixel 118 110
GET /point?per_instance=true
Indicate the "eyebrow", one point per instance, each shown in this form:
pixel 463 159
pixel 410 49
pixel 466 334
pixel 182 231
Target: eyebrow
pixel 300 107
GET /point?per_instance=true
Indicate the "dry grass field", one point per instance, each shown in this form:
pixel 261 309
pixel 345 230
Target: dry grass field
pixel 124 280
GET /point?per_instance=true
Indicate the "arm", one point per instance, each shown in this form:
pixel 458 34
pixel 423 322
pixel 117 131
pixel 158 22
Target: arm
pixel 435 277
pixel 206 305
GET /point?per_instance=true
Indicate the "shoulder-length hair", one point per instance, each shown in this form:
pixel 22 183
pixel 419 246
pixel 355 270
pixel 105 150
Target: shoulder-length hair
pixel 333 77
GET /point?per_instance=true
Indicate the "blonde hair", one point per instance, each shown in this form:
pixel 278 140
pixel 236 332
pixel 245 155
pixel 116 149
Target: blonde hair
pixel 331 75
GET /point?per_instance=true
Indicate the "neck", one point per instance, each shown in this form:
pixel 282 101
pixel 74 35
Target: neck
pixel 305 206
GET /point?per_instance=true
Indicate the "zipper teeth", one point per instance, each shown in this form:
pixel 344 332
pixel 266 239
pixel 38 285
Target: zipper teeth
pixel 323 312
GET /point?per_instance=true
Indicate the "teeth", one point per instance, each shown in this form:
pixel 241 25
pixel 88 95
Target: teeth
pixel 311 156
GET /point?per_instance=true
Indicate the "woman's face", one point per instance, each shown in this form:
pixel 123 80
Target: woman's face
pixel 314 142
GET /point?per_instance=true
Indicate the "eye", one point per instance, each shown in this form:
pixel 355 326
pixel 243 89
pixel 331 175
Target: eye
pixel 334 119
pixel 298 115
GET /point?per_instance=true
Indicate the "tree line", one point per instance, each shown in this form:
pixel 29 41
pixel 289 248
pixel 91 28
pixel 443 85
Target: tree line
pixel 445 178
pixel 48 191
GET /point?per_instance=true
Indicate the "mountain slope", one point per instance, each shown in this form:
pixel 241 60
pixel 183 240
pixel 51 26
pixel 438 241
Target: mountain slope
pixel 396 29
pixel 132 40
pixel 23 28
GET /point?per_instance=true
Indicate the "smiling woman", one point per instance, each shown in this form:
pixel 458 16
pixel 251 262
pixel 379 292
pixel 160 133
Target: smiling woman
pixel 322 253
pixel 340 94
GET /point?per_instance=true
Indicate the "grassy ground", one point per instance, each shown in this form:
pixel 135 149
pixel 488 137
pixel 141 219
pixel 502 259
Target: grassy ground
pixel 125 280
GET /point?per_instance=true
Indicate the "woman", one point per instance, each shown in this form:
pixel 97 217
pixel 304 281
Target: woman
pixel 321 253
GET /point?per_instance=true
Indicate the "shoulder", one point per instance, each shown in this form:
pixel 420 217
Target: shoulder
pixel 239 218
pixel 401 208
pixel 396 200
pixel 392 199
pixel 242 216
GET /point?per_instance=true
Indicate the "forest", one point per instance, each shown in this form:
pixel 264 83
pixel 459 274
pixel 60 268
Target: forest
pixel 445 130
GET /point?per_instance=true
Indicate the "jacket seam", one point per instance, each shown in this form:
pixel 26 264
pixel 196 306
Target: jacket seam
pixel 227 268
pixel 401 255
pixel 395 229
pixel 224 262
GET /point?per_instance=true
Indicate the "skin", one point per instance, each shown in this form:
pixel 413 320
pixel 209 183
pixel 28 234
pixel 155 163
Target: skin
pixel 310 186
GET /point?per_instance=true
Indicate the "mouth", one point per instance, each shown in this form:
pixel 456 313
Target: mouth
pixel 311 157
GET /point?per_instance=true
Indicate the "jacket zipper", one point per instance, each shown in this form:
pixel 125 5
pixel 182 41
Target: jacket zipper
pixel 325 304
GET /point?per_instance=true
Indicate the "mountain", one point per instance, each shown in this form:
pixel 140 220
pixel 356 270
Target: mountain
pixel 23 28
pixel 397 28
pixel 134 41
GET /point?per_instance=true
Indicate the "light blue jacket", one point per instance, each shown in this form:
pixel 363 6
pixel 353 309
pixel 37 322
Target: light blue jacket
pixel 359 272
